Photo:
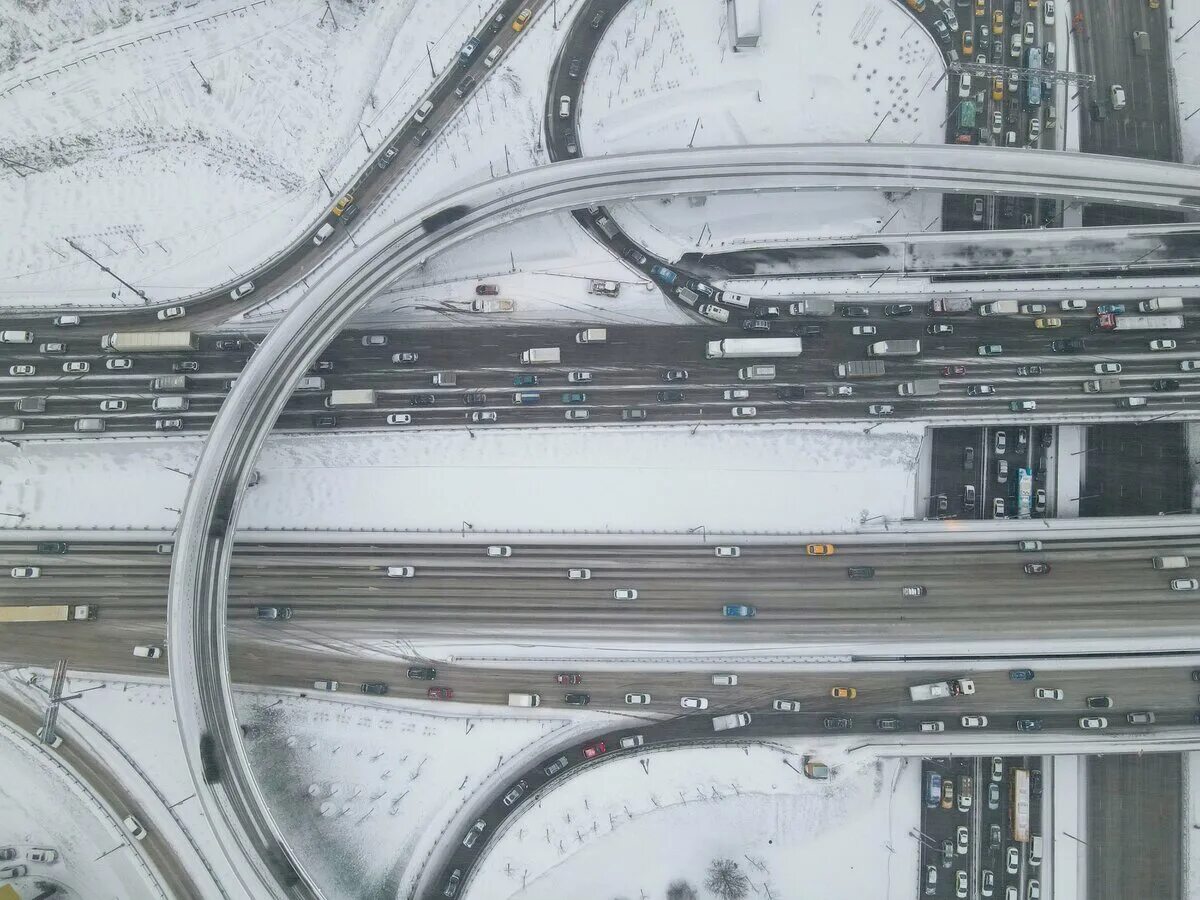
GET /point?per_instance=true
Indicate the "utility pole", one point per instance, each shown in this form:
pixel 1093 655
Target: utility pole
pixel 429 53
pixel 694 130
pixel 106 269
pixel 364 137
pixel 326 183
pixel 204 83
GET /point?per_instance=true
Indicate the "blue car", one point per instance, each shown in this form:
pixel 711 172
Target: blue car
pixel 1020 674
pixel 525 381
pixel 738 611
pixel 1116 308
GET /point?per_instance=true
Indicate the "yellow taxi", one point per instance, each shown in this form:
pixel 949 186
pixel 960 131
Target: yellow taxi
pixel 844 693
pixel 981 8
pixel 820 550
pixel 998 22
pixel 1047 323
pixel 968 42
pixel 997 89
pixel 522 19
pixel 343 202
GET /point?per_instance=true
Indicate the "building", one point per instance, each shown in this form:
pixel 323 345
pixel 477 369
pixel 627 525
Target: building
pixel 745 23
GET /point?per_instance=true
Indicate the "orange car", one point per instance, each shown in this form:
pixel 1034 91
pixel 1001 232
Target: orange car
pixel 520 21
pixel 968 42
pixel 820 550
pixel 843 693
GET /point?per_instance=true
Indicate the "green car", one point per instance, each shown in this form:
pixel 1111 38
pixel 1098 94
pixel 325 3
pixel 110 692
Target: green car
pixel 574 398
pixel 525 381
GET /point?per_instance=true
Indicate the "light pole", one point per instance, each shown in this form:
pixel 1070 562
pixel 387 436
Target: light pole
pixel 703 532
pixel 13 515
pixel 429 53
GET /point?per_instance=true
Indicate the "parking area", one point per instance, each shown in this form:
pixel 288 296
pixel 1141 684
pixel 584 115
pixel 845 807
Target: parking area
pixel 1135 469
pixel 968 844
pixel 977 472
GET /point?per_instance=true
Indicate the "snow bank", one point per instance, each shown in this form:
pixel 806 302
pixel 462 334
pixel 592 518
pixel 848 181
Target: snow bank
pixel 1185 64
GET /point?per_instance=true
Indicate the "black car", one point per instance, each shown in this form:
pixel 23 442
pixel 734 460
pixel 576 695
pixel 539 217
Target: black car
pixel 702 288
pixel 636 256
pixel 756 325
pixel 422 400
pixel 670 396
pixel 1029 370
pixel 790 393
pixel 1068 345
pixel 570 144
pixel 324 421
pixel 675 375
pixel 947 854
pixel 856 312
pixel 860 571
pixel 574 68
pixel 323 365
pixel 1020 675
pixel 464 86
pixel 1029 724
pixel 420 136
pixel 373 687
pixel 498 22
pixel 351 213
pixel 837 723
pixel 1099 702
pixel 1165 384
pixel 887 724
pixel 188 365
pixel 806 331
pixel 1195 674
pixel 422 673
pixel 475 399
pixel 597 20
pixel 578 699
pixel 1037 568
pixel 53 547
pixel 1035 782
pixel 898 309
pixel 940 328
pixel 227 345
pixel 273 613
pixel 1047 437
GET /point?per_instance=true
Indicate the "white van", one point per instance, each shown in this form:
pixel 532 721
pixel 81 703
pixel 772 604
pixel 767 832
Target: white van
pixel 1170 562
pixel 422 111
pixel 716 313
pixel 757 373
pixel 169 404
pixel 725 680
pixel 493 55
pixel 16 337
pixel 9 424
pixel 322 233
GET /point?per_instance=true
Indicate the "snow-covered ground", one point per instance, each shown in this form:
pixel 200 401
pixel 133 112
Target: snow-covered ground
pixel 1185 61
pixel 638 822
pixel 665 77
pixel 724 477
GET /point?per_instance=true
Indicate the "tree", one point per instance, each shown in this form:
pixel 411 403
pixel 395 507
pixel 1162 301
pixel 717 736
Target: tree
pixel 726 880
pixel 680 890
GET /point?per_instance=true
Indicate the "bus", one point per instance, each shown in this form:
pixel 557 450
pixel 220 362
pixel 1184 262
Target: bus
pixel 1024 493
pixel 1033 84
pixel 1020 805
pixel 966 115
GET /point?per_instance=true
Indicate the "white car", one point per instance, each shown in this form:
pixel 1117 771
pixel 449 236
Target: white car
pixel 1068 305
pixel 737 394
pixel 564 107
pixel 744 412
pixel 118 363
pixel 729 552
pixel 374 340
pixel 974 721
pixel 241 290
pixel 786 705
pixel 483 416
pixel 25 572
pixel 171 312
pixel 401 571
pixel 1109 368
pixel 577 415
pixel 964 85
pixel 1091 722
pixel 1048 12
pixel 399 419
pixel 1033 309
pixel 325 685
pixel 962 841
pixel 1035 890
pixel 625 594
pixel 77 367
pixel 637 699
pixel 1185 584
pixel 1012 861
pixel 932 727
pixel 863 330
pixel 579 377
pixel 42 855
pixel 1029 32
pixel 579 574
pixel 133 825
pixel 67 321
pixel 997 122
pixel 113 405
pixel 1190 365
pixel 880 409
pixel 1163 344
pixel 997 768
pixel 499 550
pixel 147 651
pixel 1118 96
pixel 1029 546
pixel 22 370
pixel 693 702
pixel 1048 693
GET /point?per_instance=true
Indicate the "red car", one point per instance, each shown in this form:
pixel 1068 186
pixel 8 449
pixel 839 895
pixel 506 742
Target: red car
pixel 487 290
pixel 568 678
pixel 594 750
pixel 440 693
pixel 950 371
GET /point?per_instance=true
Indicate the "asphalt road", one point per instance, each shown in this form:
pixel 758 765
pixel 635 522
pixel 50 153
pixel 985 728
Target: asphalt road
pixel 1136 470
pixel 968 456
pixel 1135 826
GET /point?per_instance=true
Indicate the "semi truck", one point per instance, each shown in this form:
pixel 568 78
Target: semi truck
pixel 731 720
pixel 1000 308
pixel 1113 322
pixel 148 341
pixel 1159 304
pixel 739 348
pixel 1100 385
pixel 64 613
pixel 492 306
pixel 920 387
pixel 907 347
pixel 861 368
pixel 949 306
pixel 811 306
pixel 169 383
pixel 541 356
pixel 940 689
pixel 350 399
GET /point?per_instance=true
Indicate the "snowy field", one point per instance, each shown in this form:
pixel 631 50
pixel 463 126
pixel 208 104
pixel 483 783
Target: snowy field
pixel 728 478
pixel 665 77
pixel 639 822
pixel 1185 60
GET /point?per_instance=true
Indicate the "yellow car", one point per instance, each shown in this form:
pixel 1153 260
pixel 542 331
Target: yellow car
pixel 522 19
pixel 1154 4
pixel 968 43
pixel 1047 323
pixel 343 202
pixel 981 8
pixel 843 693
pixel 998 22
pixel 820 550
pixel 997 89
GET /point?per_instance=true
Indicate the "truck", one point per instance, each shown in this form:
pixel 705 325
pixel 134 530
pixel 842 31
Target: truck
pixel 351 398
pixel 592 336
pixel 148 341
pixel 168 383
pixel 1113 322
pixel 445 379
pixel 605 224
pixel 1158 304
pixel 811 306
pixel 1000 308
pixel 861 368
pixel 920 387
pixel 524 700
pixel 1100 385
pixel 949 306
pixel 739 348
pixel 541 355
pixel 64 613
pixel 939 689
pixel 492 306
pixel 906 347
pixel 731 720
pixel 604 288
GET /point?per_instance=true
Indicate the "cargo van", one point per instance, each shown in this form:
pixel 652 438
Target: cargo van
pixel 445 379
pixel 687 295
pixel 311 383
pixel 592 336
pixel 524 700
pixel 1170 562
pixel 31 404
pixel 716 313
pixel 89 424
pixel 9 424
pixel 1035 850
pixel 16 337
pixel 169 404
pixel 527 397
pixel 757 373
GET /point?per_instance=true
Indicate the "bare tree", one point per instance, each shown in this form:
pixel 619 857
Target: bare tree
pixel 680 890
pixel 726 880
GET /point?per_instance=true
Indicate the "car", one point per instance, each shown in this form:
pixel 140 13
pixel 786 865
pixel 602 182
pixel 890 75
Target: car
pixel 943 32
pixel 913 590
pixel 1037 568
pixel 856 312
pixel 1029 33
pixel 962 840
pixel 989 349
pixel 168 424
pixel 837 723
pixel 744 412
pixel 670 396
pixel 574 68
pixel 522 19
pixel 894 310
pixel 1029 725
pixel 578 377
pixel 113 405
pixel 968 43
pixel 422 400
pixel 171 312
pixel 591 751
pixel 20 370
pixel 728 552
pixel 1022 405
pixel 134 827
pixel 568 678
pixel 597 20
pixel 422 673
pixel 272 613
pixel 77 367
pixel 844 693
pixel 948 794
pixel 1165 384
pixel 997 768
pixel 25 572
pixel 1115 309
pixel 42 855
pixel 1047 322
pixel 1163 344
pixel 633 414
pixel 1099 702
pixel 1090 723
pixel 960 884
pixel 64 547
pixel 1029 546
pixel 241 290
pixel 1190 365
pixel 564 107
pixel 693 702
pixel 998 511
pixel 462 89
pixel 378 688
pixel 1028 371
pixel 968 457
pixel 439 693
pixel 325 685
pixel 1047 12
pixel 374 340
pixel 787 706
pixel 998 22
pixel 1117 96
pixel 516 792
pixel 579 574
pixel 980 390
pixel 499 550
pixel 625 594
pixel 1032 309
pixel 954 371
pixel 225 346
pixel 484 416
pixel 977 210
pixel 52 347
pixel 930 880
pixel 187 365
pixel 1020 674
pixel 738 611
pixel 556 766
pixel 637 699
pixel 887 723
pixel 862 572
pixel 1140 718
pixel 525 381
pixel 1039 500
pixel 974 721
pixel 820 550
pixel 947 854
pixel 1001 442
pixel 1034 890
pixel 1107 368
pixel 1012 860
pixel 577 415
pixel 399 419
pixel 675 375
pixel 1185 584
pixel 406 358
pixel 997 118
pixel 939 328
pixel 578 698
pixel 323 421
pixel 473 835
pixel 863 330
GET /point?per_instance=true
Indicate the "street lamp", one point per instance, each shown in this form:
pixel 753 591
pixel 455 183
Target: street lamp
pixel 703 532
